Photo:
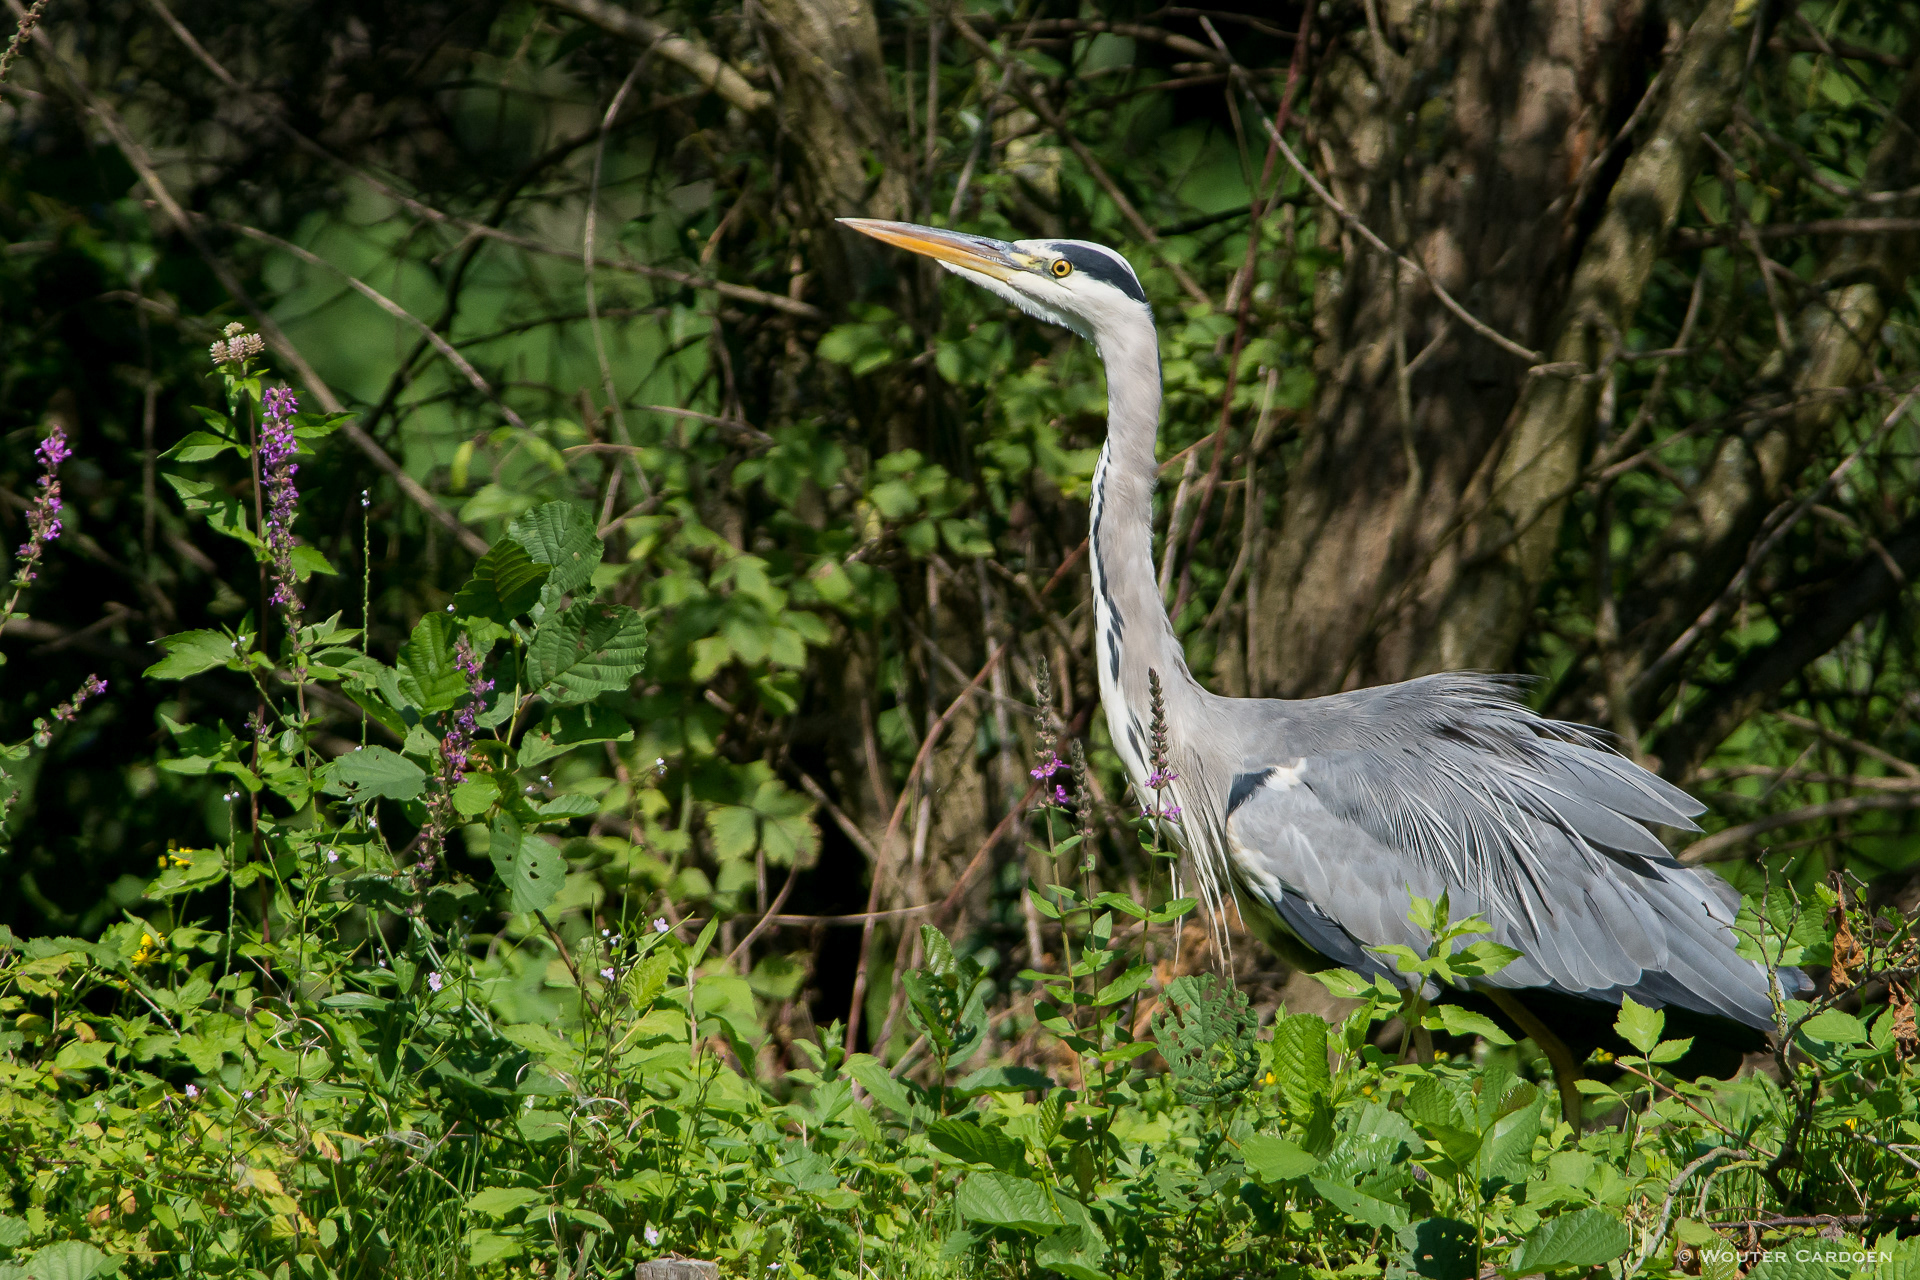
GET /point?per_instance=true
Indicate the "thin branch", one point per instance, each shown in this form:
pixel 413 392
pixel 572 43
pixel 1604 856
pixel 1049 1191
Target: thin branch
pixel 276 339
pixel 1693 238
pixel 1704 849
pixel 1042 108
pixel 702 64
pixel 1473 322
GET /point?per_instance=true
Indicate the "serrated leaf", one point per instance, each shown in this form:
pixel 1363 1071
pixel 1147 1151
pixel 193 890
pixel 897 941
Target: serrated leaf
pixel 590 649
pixel 1441 1249
pixel 1507 1153
pixel 965 1140
pixel 505 584
pixel 570 727
pixel 1638 1025
pixel 1300 1060
pixel 191 652
pixel 1834 1027
pixel 532 869
pixel 308 561
pixel 998 1200
pixel 1456 1021
pixel 374 772
pixel 1272 1159
pixel 1571 1241
pixel 428 677
pixel 560 535
pixel 1362 1205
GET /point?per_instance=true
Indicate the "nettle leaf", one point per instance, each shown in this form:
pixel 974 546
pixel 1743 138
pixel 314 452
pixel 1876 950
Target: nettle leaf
pixel 561 535
pixel 375 772
pixel 591 649
pixel 1572 1241
pixel 428 677
pixel 1274 1160
pixel 191 652
pixel 965 1140
pixel 505 584
pixel 1300 1060
pixel 1638 1025
pixel 999 1200
pixel 532 869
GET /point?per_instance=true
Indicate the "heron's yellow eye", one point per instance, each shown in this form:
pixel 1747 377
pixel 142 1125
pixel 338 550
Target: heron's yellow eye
pixel 1062 269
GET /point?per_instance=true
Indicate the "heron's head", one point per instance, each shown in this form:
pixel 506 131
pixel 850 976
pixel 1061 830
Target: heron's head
pixel 1086 287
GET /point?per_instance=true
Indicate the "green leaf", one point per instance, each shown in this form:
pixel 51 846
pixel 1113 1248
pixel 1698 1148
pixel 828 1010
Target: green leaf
pixel 1429 1103
pixel 1638 1025
pixel 1274 1160
pixel 1441 1249
pixel 964 1140
pixel 1570 1242
pixel 774 818
pixel 374 772
pixel 428 677
pixel 560 535
pixel 1362 1204
pixel 1123 986
pixel 498 1202
pixel 570 727
pixel 881 1087
pixel 505 584
pixel 198 446
pixel 203 867
pixel 191 652
pixel 1004 1080
pixel 308 561
pixel 1300 1060
pixel 1456 1021
pixel 1834 1027
pixel 532 869
pixel 1670 1050
pixel 1507 1152
pixel 69 1260
pixel 998 1200
pixel 591 649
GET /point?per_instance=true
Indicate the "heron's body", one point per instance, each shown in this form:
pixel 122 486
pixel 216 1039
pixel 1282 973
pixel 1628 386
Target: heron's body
pixel 1328 813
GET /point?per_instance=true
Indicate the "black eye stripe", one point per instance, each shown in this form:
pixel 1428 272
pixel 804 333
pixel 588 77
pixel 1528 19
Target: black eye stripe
pixel 1107 268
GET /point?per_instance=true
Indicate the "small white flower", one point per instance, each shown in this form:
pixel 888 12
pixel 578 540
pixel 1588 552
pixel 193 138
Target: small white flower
pixel 435 981
pixel 659 924
pixel 365 501
pixel 333 855
pixel 247 1094
pixel 653 1233
pixel 449 608
pixel 607 974
pixel 193 1091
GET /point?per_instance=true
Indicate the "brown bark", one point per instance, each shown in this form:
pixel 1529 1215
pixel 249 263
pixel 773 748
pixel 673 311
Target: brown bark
pixel 1485 608
pixel 1491 113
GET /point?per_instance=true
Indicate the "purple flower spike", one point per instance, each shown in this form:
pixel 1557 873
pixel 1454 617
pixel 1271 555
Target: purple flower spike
pixel 277 467
pixel 43 517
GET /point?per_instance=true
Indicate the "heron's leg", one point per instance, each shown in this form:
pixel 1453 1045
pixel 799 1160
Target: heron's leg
pixel 1565 1070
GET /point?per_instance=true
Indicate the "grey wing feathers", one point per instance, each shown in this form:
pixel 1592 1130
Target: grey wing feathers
pixel 1446 783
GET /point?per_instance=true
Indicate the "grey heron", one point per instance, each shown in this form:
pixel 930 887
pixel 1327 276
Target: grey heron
pixel 1327 814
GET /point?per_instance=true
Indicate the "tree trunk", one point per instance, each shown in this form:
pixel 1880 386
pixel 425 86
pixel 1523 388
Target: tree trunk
pixel 1476 169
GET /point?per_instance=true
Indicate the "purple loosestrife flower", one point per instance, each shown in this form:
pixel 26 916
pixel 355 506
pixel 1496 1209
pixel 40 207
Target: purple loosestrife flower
pixel 1050 764
pixel 67 711
pixel 236 347
pixel 455 748
pixel 43 517
pixel 277 467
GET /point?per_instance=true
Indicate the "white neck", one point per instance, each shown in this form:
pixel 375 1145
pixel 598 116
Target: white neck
pixel 1132 632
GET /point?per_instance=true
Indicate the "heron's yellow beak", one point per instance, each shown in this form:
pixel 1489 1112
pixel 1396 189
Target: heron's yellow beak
pixel 993 258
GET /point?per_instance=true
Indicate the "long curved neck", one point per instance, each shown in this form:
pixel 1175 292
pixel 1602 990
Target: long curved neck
pixel 1131 630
